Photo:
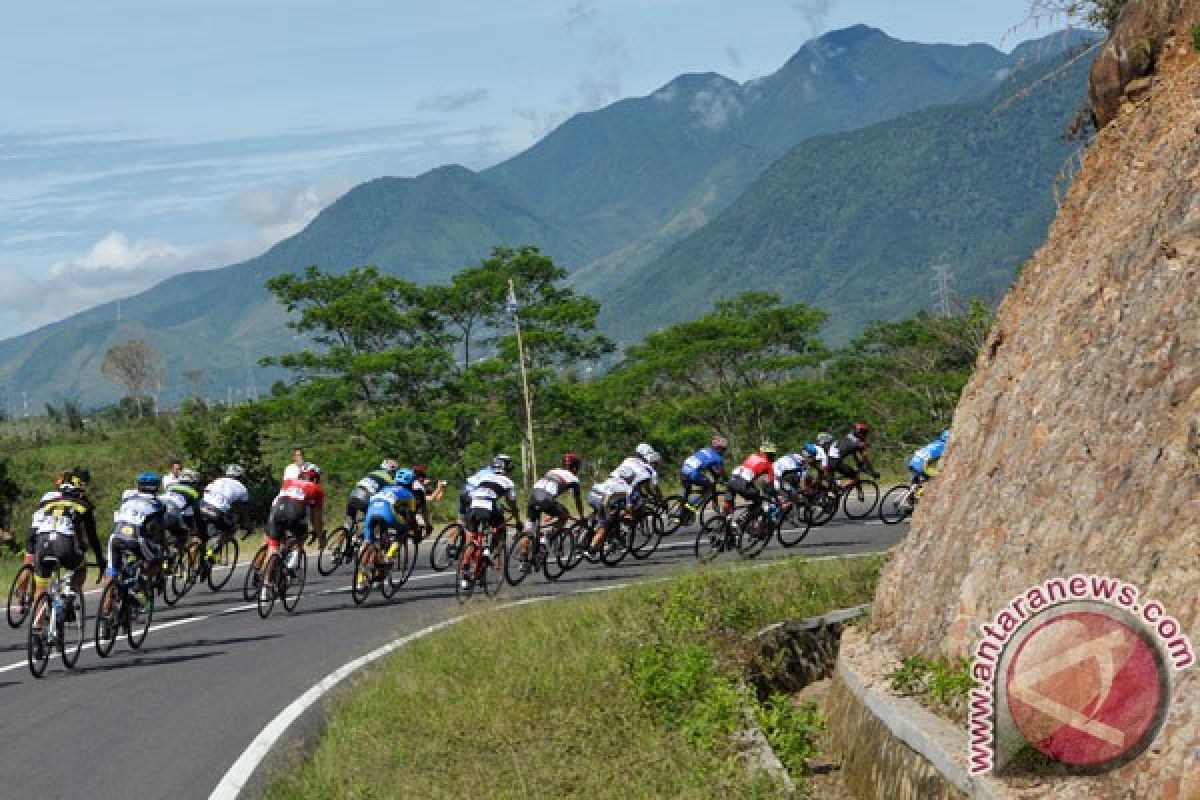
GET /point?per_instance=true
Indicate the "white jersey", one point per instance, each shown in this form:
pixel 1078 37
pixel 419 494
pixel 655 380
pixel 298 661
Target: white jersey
pixel 135 509
pixel 48 522
pixel 822 457
pixel 291 472
pixel 223 493
pixel 613 487
pixel 635 472
pixel 491 489
pixel 556 480
pixel 169 479
pixel 791 462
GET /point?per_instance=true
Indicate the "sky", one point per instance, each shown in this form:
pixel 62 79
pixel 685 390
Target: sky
pixel 142 138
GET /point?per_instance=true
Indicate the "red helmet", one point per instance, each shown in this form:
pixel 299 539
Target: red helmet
pixel 861 429
pixel 720 443
pixel 571 461
pixel 419 470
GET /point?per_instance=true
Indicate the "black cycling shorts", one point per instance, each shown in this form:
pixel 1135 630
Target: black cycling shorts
pixel 481 520
pixel 841 467
pixel 357 502
pixel 56 549
pixel 210 515
pixel 740 487
pixel 542 502
pixel 287 516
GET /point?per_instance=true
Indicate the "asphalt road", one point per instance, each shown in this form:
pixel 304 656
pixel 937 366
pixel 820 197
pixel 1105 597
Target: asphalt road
pixel 168 721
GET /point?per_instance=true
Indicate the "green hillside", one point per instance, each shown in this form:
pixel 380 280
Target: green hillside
pixel 853 223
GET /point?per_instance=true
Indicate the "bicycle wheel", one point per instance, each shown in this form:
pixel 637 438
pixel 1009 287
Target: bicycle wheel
pixel 895 505
pixel 20 596
pixel 464 574
pixel 139 607
pixel 333 554
pixel 860 500
pixel 406 561
pixel 70 639
pixel 169 562
pixel 395 570
pixel 446 547
pixel 710 507
pixel 710 539
pixel 557 554
pixel 755 533
pixel 822 507
pixel 494 558
pixel 617 540
pixel 107 627
pixel 647 535
pixel 253 580
pixel 520 561
pixel 271 584
pixel 184 577
pixel 293 581
pixel 364 567
pixel 224 562
pixel 580 534
pixel 38 640
pixel 795 525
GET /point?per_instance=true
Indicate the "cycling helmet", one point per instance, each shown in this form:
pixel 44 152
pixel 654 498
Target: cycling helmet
pixel 235 471
pixel 310 472
pixel 502 463
pixel 719 443
pixel 70 488
pixel 571 462
pixel 644 450
pixel 861 429
pixel 768 448
pixel 390 465
pixel 824 439
pixel 148 482
pixel 189 476
pixel 945 437
pixel 405 477
pixel 81 475
pixel 811 449
pixel 419 470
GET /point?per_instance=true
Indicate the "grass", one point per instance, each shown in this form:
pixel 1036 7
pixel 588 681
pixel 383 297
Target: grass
pixel 939 684
pixel 624 694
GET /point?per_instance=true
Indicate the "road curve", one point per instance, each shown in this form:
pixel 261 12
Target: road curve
pixel 169 720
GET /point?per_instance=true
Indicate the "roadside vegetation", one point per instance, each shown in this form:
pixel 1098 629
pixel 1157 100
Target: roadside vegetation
pixel 630 693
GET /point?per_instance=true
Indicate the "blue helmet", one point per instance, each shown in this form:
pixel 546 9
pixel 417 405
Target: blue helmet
pixel 148 482
pixel 405 476
pixel 946 435
pixel 811 449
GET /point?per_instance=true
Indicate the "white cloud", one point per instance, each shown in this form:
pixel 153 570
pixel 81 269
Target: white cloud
pixel 715 107
pixel 450 102
pixel 279 212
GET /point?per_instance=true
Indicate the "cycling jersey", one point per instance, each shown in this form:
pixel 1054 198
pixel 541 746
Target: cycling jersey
pixel 703 461
pixel 223 493
pixel 181 502
pixel 485 509
pixel 544 497
pixel 469 486
pixel 393 506
pixel 608 494
pixel 821 459
pixel 55 534
pixel 755 466
pixel 926 456
pixel 848 445
pixel 138 525
pixel 636 473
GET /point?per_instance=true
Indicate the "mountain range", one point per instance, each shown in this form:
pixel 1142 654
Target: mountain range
pixel 870 154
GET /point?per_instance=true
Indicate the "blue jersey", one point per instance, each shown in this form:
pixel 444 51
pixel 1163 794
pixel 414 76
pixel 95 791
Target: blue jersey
pixel 930 452
pixel 392 504
pixel 706 460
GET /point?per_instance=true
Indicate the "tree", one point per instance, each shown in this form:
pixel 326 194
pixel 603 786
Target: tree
pixel 136 366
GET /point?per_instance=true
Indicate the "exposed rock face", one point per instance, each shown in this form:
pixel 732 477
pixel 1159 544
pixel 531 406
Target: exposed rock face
pixel 1076 444
pixel 1143 30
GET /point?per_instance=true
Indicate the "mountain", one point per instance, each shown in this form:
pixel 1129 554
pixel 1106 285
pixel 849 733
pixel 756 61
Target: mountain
pixel 604 194
pixel 853 223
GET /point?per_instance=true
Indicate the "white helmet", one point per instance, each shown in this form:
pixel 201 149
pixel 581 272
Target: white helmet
pixel 235 471
pixel 645 451
pixel 390 465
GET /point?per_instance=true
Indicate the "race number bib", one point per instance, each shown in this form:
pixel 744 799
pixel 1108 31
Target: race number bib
pixel 548 486
pixel 744 474
pixel 692 464
pixel 293 493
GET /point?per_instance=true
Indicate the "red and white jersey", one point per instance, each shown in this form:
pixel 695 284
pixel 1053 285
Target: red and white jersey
pixel 755 466
pixel 307 492
pixel 556 480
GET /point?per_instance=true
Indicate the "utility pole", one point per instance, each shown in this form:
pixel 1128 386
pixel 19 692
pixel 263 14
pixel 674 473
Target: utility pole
pixel 942 291
pixel 528 456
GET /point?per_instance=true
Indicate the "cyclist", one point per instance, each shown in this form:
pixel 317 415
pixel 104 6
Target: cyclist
pixel 438 491
pixel 546 494
pixel 790 471
pixel 639 472
pixel 743 479
pixel 369 486
pixel 923 464
pixel 702 469
pixel 607 499
pixel 139 525
pixel 221 503
pixel 393 507
pixel 469 486
pixel 492 496
pixel 182 501
pixel 423 496
pixel 852 445
pixel 300 501
pixel 54 536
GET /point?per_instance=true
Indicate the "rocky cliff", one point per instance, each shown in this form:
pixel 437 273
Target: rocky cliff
pixel 1076 445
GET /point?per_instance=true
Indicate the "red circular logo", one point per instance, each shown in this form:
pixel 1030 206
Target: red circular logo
pixel 1087 689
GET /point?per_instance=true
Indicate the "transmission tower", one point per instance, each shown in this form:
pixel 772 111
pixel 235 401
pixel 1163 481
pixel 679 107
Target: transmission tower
pixel 942 289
